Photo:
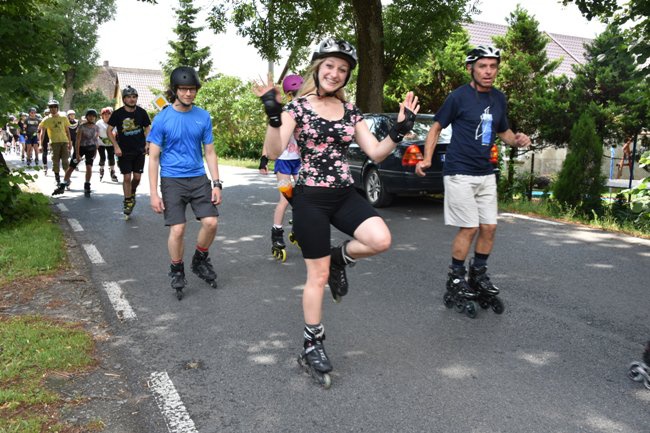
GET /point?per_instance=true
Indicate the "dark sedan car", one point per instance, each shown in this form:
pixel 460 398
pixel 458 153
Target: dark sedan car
pixel 395 175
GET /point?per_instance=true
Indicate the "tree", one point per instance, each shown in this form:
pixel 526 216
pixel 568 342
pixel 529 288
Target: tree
pixel 523 77
pixel 185 51
pixel 635 12
pixel 90 98
pixel 384 35
pixel 580 181
pixel 30 52
pixel 439 71
pixel 611 85
pixel 77 23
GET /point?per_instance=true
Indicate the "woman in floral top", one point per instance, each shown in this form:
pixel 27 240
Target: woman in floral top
pixel 324 125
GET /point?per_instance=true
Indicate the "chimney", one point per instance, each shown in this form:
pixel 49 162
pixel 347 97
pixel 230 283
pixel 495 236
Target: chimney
pixel 106 63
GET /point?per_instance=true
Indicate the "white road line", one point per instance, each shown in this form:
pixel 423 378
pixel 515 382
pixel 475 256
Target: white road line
pixel 76 227
pixel 524 217
pixel 170 404
pixel 62 207
pixel 93 254
pixel 120 304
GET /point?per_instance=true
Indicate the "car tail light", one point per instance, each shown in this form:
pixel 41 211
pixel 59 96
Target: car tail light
pixel 412 156
pixel 494 154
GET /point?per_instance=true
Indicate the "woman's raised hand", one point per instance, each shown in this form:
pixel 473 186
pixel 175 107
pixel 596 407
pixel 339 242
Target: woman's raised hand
pixel 410 103
pixel 260 87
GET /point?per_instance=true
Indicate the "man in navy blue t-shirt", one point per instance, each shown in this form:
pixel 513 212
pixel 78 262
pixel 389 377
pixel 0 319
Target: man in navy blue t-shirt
pixel 478 113
pixel 181 133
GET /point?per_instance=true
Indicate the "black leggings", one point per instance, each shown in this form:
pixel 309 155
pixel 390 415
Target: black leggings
pixel 315 208
pixel 103 150
pixel 44 147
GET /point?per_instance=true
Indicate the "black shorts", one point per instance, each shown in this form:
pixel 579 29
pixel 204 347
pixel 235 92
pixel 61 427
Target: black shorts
pixel 131 163
pixel 87 153
pixel 177 192
pixel 33 140
pixel 315 208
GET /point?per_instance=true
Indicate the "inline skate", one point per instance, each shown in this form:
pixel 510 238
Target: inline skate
pixel 87 189
pixel 202 267
pixel 113 177
pixel 61 187
pixel 278 248
pixel 177 273
pixel 101 173
pixel 480 282
pixel 129 204
pixel 459 294
pixel 314 360
pixel 338 279
pixel 640 370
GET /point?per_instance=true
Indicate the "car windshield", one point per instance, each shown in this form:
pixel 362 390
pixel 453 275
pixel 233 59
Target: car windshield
pixel 420 129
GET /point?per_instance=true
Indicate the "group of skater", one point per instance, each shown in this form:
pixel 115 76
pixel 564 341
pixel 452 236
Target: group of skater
pixel 118 136
pixel 308 138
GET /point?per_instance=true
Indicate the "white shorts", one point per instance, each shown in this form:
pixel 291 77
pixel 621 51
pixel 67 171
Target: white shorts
pixel 470 200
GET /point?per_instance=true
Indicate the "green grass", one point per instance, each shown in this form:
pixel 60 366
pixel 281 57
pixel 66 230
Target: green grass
pixel 34 244
pixel 235 162
pixel 30 348
pixel 550 209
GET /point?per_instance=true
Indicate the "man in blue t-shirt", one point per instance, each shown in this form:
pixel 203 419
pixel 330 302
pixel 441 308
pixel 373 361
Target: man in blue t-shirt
pixel 477 112
pixel 179 135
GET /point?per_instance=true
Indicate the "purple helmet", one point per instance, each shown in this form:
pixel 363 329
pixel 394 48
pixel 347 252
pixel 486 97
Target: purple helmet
pixel 291 83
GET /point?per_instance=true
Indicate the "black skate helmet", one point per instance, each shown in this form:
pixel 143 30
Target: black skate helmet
pixel 483 52
pixel 91 112
pixel 184 76
pixel 128 91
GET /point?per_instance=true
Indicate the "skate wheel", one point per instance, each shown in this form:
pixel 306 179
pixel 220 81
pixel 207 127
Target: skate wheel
pixel 179 294
pixel 448 300
pixel 460 306
pixel 213 284
pixel 635 372
pixel 484 304
pixel 497 306
pixel 325 381
pixel 470 309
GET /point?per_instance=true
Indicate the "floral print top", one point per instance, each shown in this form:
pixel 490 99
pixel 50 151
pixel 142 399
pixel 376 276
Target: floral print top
pixel 323 144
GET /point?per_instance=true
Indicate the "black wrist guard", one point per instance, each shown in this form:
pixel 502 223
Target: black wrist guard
pixel 272 108
pixel 263 162
pixel 400 129
pixel 217 184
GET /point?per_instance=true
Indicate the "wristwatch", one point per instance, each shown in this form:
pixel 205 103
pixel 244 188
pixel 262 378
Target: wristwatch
pixel 217 184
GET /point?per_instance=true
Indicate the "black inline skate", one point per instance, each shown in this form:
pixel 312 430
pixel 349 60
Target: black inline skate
pixel 480 282
pixel 278 248
pixel 202 267
pixel 101 173
pixel 459 294
pixel 338 279
pixel 314 360
pixel 177 273
pixel 129 204
pixel 113 177
pixel 60 189
pixel 87 189
pixel 640 370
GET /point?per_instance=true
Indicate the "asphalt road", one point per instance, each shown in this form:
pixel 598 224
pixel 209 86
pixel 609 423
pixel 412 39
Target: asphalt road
pixel 576 315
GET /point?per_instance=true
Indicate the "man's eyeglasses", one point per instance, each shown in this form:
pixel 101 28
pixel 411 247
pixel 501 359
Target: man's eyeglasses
pixel 190 90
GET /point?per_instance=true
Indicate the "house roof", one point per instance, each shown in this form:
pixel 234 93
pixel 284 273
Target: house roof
pixel 148 83
pixel 110 80
pixel 568 48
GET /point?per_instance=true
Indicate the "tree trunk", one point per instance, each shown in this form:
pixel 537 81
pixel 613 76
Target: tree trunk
pixel 370 49
pixel 511 171
pixel 69 90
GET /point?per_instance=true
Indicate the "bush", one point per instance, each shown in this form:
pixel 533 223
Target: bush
pixel 237 114
pixel 11 207
pixel 580 181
